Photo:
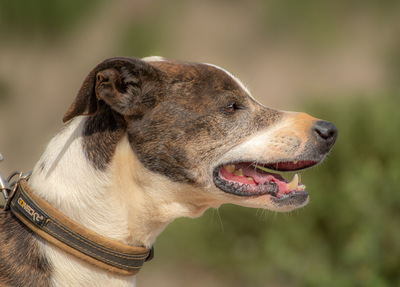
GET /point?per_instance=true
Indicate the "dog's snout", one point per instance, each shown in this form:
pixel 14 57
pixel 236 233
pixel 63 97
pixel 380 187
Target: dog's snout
pixel 326 133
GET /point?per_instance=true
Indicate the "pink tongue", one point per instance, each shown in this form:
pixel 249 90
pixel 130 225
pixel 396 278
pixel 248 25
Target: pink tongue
pixel 226 175
pixel 258 177
pixel 249 172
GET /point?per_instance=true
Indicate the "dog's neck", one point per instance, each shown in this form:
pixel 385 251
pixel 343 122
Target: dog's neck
pixel 124 202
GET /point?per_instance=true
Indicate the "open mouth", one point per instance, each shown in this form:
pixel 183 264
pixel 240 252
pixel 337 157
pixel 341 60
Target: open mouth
pixel 250 179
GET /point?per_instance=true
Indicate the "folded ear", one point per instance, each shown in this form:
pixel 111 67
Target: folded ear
pixel 128 85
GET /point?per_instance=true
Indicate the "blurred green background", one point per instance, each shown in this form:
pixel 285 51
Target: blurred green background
pixel 337 60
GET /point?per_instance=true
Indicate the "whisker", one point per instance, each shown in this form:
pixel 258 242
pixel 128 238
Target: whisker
pixel 220 220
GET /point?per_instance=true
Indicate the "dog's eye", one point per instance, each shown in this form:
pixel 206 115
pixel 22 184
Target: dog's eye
pixel 230 108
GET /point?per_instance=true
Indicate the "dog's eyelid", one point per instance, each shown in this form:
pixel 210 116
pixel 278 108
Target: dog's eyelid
pixel 231 108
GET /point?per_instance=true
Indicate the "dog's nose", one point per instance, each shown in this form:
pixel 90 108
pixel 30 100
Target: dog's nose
pixel 326 133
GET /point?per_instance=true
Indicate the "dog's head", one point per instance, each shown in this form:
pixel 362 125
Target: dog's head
pixel 197 124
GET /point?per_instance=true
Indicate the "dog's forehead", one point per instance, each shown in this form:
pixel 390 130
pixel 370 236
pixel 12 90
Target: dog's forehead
pixel 187 71
pixel 241 85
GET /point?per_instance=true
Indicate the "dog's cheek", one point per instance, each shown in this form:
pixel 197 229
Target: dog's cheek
pixel 177 151
pixel 158 154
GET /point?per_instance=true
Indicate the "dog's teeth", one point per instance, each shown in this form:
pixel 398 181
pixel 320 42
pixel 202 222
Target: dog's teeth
pixel 239 172
pixel 295 162
pixel 250 178
pixel 294 183
pixel 230 168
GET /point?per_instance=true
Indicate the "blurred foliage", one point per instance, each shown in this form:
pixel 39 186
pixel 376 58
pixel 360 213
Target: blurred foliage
pixel 393 65
pixel 43 19
pixel 319 24
pixel 348 235
pixel 148 34
pixel 137 41
pixel 143 38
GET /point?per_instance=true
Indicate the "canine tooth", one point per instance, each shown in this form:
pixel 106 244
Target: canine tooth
pixel 250 178
pixel 239 172
pixel 230 168
pixel 295 162
pixel 294 183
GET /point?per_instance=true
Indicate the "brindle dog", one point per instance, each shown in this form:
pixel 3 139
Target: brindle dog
pixel 147 141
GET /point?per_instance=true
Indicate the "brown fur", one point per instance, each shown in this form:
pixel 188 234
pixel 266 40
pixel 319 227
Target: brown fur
pixel 21 262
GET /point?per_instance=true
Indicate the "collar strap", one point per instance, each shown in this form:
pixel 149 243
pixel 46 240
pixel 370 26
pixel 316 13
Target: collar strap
pixel 53 226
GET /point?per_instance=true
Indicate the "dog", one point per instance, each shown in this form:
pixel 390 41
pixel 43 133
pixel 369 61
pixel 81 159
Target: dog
pixel 150 140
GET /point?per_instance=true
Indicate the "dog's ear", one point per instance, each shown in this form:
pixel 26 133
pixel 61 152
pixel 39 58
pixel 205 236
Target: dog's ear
pixel 128 85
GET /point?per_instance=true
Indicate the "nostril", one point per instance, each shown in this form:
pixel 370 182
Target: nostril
pixel 326 131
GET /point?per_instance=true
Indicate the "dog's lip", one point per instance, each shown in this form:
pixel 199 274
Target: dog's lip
pixel 289 165
pixel 257 182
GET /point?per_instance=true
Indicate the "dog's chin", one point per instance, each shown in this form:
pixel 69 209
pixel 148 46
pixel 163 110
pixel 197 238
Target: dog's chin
pixel 257 185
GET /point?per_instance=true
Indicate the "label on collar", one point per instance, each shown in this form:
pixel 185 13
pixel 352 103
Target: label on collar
pixel 26 206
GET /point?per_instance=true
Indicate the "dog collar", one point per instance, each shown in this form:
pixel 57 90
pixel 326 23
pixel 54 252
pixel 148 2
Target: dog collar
pixel 58 229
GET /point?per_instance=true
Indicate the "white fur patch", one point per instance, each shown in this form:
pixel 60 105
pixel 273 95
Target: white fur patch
pixel 153 59
pixel 66 179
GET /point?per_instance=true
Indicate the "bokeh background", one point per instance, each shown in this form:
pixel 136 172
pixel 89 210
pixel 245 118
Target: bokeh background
pixel 338 60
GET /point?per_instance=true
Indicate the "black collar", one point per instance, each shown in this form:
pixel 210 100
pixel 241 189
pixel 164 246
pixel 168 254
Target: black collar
pixel 53 226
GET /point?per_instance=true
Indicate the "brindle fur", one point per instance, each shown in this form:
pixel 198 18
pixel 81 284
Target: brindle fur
pixel 21 263
pixel 102 133
pixel 163 141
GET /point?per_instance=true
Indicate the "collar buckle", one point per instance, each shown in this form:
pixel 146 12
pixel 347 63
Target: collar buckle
pixel 8 188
